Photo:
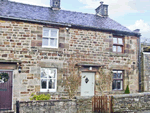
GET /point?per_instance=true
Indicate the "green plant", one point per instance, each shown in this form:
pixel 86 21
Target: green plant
pixel 127 91
pixel 40 97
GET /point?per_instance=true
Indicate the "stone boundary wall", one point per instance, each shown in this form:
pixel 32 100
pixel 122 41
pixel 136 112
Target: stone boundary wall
pixel 131 102
pixel 79 105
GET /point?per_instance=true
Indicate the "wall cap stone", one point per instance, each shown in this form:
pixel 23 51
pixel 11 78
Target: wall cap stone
pixel 84 97
pixel 131 95
pixel 61 100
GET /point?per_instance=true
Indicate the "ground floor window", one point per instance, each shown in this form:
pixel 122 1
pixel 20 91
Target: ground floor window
pixel 117 83
pixel 48 79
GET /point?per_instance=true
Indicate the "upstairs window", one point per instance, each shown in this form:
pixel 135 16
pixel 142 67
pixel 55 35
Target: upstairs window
pixel 50 38
pixel 118 45
pixel 117 80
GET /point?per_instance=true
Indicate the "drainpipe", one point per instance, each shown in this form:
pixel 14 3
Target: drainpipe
pixel 139 64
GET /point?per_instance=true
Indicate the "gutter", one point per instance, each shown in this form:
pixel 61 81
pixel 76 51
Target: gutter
pixel 36 21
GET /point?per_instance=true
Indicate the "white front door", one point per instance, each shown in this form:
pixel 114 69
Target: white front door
pixel 87 84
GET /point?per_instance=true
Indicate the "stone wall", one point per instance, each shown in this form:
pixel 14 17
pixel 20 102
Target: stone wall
pixel 131 102
pixel 80 105
pixel 22 41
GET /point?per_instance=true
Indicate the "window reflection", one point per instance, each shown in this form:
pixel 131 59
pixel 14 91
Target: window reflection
pixel 43 83
pixel 51 84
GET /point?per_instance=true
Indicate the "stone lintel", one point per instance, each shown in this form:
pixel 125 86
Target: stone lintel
pixel 10 61
pixel 90 65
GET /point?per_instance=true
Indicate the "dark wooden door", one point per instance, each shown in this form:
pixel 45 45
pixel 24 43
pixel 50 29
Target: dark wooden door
pixel 102 104
pixel 5 90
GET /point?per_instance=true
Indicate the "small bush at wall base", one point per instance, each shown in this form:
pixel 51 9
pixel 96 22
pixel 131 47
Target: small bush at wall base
pixel 127 91
pixel 40 97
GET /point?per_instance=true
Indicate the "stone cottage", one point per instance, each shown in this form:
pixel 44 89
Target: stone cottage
pixel 38 43
pixel 145 66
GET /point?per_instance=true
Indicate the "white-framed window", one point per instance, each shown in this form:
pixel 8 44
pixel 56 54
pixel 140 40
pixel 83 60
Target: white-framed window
pixel 118 45
pixel 50 38
pixel 48 79
pixel 117 83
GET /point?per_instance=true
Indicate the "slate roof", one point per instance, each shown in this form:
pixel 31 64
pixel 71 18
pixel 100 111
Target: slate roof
pixel 10 9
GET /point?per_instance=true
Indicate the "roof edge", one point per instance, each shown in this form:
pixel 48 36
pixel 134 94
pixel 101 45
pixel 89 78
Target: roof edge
pixel 76 26
pixel 36 21
pixel 114 32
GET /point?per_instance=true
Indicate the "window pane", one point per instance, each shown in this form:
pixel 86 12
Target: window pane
pixel 115 40
pixel 53 42
pixel 46 32
pixel 119 74
pixel 115 75
pixel 52 73
pixel 114 48
pixel 43 73
pixel 45 41
pixel 114 85
pixel 43 83
pixel 118 84
pixel 52 84
pixel 119 49
pixel 120 41
pixel 54 33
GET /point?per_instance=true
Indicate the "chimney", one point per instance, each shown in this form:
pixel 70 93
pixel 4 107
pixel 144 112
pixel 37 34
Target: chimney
pixel 102 10
pixel 55 4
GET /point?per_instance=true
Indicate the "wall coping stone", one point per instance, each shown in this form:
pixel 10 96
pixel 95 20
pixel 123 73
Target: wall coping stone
pixel 131 95
pixel 84 97
pixel 60 100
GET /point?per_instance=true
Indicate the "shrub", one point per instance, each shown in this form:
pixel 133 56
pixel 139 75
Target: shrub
pixel 127 91
pixel 40 97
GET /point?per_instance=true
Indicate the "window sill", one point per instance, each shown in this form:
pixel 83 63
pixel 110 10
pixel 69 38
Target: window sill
pixel 118 54
pixel 49 49
pixel 53 90
pixel 117 90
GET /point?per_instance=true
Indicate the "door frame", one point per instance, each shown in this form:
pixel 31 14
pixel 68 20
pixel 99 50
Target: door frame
pixel 91 75
pixel 12 84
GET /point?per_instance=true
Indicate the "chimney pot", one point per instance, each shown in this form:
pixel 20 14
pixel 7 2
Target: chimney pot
pixel 137 30
pixel 101 2
pixel 55 4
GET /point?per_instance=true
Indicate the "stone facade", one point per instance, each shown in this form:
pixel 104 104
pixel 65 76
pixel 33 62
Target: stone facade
pixel 82 105
pixel 22 42
pixel 133 103
pixel 146 71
